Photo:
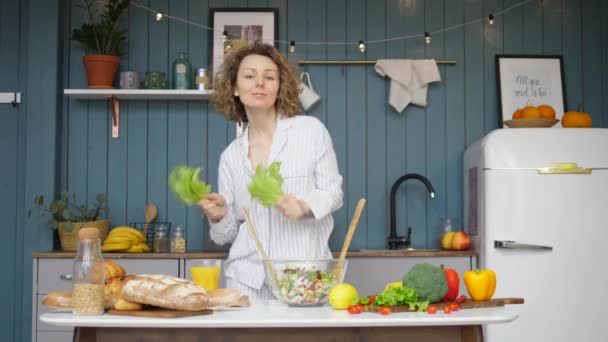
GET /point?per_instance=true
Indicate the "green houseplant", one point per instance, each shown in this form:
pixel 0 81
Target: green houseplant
pixel 102 38
pixel 67 216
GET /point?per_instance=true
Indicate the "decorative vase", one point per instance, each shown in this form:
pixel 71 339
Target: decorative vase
pixel 182 72
pixel 101 70
pixel 69 240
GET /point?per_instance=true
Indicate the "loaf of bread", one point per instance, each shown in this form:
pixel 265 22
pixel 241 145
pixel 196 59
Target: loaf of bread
pixel 227 297
pixel 58 300
pixel 113 297
pixel 113 270
pixel 165 292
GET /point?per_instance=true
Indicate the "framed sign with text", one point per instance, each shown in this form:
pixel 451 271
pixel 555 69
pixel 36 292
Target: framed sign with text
pixel 529 80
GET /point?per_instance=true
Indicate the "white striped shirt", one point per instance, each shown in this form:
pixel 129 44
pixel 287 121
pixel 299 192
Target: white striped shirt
pixel 308 165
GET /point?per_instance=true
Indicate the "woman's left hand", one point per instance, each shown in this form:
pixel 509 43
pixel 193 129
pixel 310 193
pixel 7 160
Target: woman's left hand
pixel 292 207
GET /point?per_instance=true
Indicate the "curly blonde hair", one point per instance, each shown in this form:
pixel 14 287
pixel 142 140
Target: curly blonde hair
pixel 231 107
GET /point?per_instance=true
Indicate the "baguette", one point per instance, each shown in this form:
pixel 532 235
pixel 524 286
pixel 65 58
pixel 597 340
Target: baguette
pixel 58 300
pixel 165 292
pixel 227 297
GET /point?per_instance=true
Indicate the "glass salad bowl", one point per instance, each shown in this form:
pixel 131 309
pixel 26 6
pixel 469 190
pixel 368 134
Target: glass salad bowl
pixel 304 282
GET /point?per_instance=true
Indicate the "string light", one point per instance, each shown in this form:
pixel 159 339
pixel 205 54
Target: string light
pixel 361 46
pixel 292 46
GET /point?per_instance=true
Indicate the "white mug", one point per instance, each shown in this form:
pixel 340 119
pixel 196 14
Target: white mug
pixel 308 96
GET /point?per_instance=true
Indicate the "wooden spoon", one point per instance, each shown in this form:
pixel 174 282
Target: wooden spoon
pixel 349 237
pixel 258 245
pixel 150 216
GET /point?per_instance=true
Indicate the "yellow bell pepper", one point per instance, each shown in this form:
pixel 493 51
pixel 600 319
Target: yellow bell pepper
pixel 480 284
pixel 393 284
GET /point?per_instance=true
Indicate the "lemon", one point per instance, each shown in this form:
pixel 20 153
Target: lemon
pixel 341 296
pixel 394 284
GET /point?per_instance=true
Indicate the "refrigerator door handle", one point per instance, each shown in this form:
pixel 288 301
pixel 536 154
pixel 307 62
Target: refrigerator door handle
pixel 515 245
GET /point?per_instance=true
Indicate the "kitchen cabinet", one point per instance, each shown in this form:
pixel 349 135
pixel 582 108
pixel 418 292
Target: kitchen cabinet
pixel 369 271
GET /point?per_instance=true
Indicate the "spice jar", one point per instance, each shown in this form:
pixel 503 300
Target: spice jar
pixel 202 81
pixel 161 240
pixel 88 277
pixel 178 240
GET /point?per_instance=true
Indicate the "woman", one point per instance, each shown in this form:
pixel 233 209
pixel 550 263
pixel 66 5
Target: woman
pixel 258 85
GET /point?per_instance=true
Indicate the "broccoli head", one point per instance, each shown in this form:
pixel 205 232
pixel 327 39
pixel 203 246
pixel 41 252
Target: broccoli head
pixel 428 281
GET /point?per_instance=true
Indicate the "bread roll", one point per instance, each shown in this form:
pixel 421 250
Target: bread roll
pixel 58 300
pixel 165 292
pixel 227 297
pixel 113 270
pixel 113 297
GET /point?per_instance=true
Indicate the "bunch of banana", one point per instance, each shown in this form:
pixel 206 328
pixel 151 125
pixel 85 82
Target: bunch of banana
pixel 125 239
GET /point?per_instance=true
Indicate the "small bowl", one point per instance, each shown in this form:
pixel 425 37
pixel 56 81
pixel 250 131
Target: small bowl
pixel 304 282
pixel 530 123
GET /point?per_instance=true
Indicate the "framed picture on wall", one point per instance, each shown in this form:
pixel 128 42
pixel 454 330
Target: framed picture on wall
pixel 530 81
pixel 234 28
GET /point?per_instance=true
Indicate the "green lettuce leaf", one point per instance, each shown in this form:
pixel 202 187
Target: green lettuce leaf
pixel 266 184
pixel 186 185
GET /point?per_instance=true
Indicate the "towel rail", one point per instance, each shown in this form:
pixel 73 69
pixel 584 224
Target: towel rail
pixel 359 62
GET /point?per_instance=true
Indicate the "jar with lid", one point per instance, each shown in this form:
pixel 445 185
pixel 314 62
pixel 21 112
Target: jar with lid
pixel 178 240
pixel 161 240
pixel 182 72
pixel 88 277
pixel 202 80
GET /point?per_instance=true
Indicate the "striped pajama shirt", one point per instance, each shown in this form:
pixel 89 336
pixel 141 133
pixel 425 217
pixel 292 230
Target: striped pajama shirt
pixel 308 165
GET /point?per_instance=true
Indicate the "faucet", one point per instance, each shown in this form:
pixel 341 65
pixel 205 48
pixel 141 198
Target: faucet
pixel 393 240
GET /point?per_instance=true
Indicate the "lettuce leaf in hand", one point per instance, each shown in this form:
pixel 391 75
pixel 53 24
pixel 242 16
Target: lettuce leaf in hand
pixel 266 184
pixel 184 182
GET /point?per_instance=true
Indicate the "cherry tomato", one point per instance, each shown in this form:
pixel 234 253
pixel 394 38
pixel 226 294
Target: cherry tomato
pixel 353 309
pixel 371 300
pixel 461 299
pixel 446 309
pixel 385 310
pixel 454 307
pixel 431 309
pixel 359 307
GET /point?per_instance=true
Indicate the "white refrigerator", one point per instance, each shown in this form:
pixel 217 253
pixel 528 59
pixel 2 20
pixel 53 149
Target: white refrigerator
pixel 536 203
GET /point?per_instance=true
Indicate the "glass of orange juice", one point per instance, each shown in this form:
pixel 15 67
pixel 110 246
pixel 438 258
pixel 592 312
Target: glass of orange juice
pixel 206 273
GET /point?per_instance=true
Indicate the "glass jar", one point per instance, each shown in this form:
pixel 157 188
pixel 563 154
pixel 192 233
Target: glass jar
pixel 202 81
pixel 178 240
pixel 446 230
pixel 161 240
pixel 88 277
pixel 182 72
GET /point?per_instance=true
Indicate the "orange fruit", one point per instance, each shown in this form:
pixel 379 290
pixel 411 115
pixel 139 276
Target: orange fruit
pixel 530 112
pixel 546 112
pixel 517 114
pixel 576 120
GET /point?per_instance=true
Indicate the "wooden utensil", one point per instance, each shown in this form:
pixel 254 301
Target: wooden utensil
pixel 349 236
pixel 469 304
pixel 160 313
pixel 258 245
pixel 150 216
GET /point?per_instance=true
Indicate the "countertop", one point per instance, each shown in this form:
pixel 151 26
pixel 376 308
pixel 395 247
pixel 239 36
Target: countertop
pixel 363 253
pixel 272 314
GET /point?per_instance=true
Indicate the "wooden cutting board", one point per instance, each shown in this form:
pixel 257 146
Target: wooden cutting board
pixel 160 313
pixel 469 304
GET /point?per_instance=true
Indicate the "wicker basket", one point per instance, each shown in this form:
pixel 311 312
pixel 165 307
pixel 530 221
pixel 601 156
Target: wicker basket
pixel 69 240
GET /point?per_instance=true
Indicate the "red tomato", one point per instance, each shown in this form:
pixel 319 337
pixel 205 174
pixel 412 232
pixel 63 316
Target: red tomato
pixel 446 309
pixel 371 300
pixel 454 307
pixel 359 307
pixel 385 310
pixel 431 309
pixel 353 309
pixel 461 299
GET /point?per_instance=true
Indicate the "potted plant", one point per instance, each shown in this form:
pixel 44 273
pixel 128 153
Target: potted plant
pixel 102 36
pixel 68 217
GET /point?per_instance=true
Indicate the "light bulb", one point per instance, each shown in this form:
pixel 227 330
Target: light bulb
pixel 491 19
pixel 159 16
pixel 427 37
pixel 292 46
pixel 225 36
pixel 361 46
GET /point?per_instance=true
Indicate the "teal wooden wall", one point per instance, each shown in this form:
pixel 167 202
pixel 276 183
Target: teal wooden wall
pixel 374 144
pixel 52 143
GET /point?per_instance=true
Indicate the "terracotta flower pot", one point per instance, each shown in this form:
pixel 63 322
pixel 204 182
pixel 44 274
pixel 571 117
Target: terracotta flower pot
pixel 69 240
pixel 101 70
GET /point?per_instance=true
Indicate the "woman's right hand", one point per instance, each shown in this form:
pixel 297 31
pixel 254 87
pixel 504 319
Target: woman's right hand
pixel 213 206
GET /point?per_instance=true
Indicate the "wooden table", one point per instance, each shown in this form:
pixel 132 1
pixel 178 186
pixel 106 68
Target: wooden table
pixel 274 321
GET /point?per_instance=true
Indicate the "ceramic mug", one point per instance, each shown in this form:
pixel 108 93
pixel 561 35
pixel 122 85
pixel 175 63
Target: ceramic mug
pixel 129 80
pixel 308 97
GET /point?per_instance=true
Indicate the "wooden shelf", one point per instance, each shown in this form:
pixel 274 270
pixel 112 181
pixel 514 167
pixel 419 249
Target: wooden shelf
pixel 139 94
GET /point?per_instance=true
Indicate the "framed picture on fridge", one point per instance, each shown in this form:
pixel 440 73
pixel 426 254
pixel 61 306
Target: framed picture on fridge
pixel 525 81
